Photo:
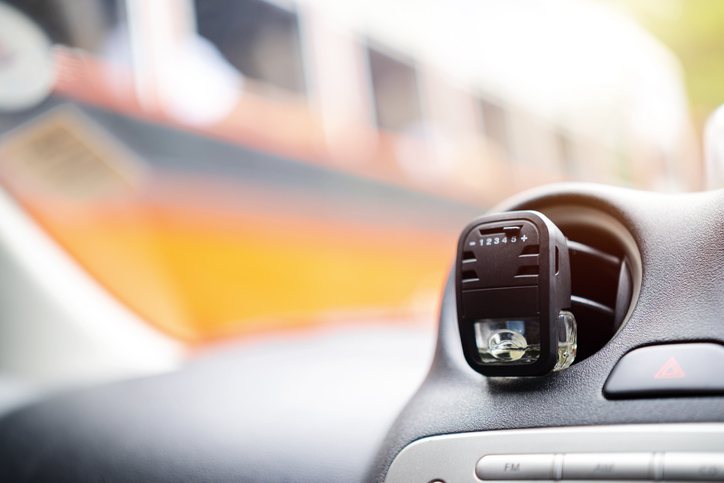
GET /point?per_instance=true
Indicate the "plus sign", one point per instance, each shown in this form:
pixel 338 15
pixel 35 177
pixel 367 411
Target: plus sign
pixel 524 238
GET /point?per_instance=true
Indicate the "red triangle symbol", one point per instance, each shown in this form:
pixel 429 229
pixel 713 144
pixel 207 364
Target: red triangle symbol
pixel 670 370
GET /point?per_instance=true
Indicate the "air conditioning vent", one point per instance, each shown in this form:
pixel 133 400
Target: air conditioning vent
pixel 605 271
pixel 600 295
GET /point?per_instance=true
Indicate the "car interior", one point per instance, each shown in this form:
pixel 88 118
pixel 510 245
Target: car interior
pixel 380 242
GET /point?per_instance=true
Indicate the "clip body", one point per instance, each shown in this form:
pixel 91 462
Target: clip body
pixel 513 286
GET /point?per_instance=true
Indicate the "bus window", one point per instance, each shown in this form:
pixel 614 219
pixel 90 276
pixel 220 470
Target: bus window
pixel 495 128
pixel 567 152
pixel 395 91
pixel 258 38
pixel 82 24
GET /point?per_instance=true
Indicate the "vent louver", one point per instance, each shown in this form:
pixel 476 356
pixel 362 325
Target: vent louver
pixel 600 295
pixel 605 270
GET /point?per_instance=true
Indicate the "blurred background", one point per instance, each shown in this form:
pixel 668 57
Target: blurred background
pixel 229 168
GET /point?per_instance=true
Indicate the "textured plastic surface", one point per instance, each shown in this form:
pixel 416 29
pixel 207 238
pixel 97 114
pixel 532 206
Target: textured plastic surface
pixel 681 300
pixel 269 411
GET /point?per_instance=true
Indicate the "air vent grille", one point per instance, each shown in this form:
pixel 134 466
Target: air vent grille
pixel 605 269
pixel 598 280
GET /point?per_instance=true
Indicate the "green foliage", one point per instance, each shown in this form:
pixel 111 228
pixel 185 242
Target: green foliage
pixel 694 31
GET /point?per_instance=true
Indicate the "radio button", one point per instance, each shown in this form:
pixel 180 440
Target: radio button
pixel 516 467
pixel 608 466
pixel 694 466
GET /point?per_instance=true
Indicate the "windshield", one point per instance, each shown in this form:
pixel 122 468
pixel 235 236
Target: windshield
pixel 225 167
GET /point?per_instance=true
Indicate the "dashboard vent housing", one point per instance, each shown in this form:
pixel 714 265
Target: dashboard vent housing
pixel 605 271
pixel 601 292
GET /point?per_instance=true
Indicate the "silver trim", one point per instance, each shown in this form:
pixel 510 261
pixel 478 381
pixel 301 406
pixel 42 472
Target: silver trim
pixel 452 458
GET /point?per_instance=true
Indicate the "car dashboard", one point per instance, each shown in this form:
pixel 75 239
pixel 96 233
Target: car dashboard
pixel 269 413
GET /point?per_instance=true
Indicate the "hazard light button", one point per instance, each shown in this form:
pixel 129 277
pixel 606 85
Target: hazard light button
pixel 668 370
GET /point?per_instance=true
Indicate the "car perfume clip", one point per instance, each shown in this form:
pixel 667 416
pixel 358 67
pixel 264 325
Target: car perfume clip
pixel 513 289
